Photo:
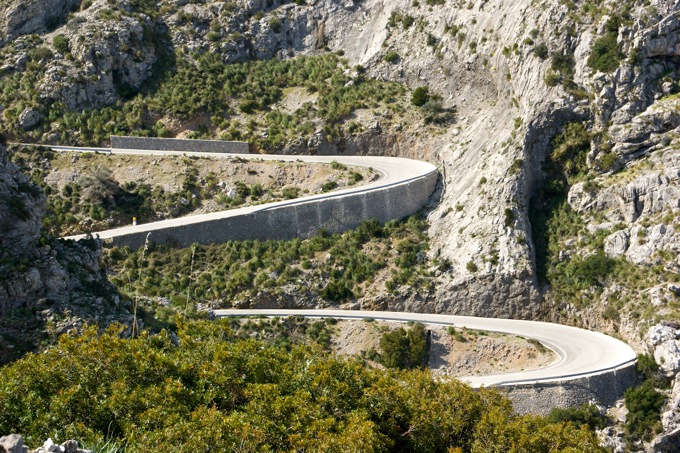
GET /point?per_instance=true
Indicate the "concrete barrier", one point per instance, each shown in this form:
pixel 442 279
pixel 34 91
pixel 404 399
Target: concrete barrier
pixel 176 144
pixel 294 219
pixel 603 388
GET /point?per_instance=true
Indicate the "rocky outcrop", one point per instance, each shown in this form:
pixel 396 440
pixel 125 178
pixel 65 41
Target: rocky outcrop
pixel 23 17
pixel 21 207
pixel 14 443
pixel 47 286
pixel 641 209
pixel 664 343
pixel 109 59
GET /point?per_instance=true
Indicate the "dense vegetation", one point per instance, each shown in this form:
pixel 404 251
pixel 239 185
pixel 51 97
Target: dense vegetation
pixel 334 267
pixel 209 391
pixel 549 210
pixel 644 402
pixel 231 101
pixel 585 414
pixel 404 349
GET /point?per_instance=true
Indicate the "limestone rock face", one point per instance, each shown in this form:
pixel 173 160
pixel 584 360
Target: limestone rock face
pixel 21 207
pixel 116 59
pixel 23 17
pixel 643 208
pixel 668 355
pixel 59 283
pixel 663 341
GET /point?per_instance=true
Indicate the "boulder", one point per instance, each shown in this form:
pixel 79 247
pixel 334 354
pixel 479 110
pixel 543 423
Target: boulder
pixel 29 118
pixel 659 334
pixel 13 443
pixel 616 243
pixel 667 354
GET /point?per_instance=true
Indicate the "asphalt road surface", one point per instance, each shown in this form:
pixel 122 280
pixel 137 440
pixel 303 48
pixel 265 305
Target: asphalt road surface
pixel 391 171
pixel 579 352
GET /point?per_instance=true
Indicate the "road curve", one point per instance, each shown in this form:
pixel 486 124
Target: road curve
pixel 390 170
pixel 580 352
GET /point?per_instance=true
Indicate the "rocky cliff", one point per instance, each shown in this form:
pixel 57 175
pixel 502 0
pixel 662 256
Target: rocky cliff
pixel 48 287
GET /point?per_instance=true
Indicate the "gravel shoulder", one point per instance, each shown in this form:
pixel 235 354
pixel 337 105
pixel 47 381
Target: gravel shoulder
pixel 453 352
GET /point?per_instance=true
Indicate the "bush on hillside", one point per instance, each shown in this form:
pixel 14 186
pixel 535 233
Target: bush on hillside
pixel 211 392
pixel 420 96
pixel 606 53
pixel 404 349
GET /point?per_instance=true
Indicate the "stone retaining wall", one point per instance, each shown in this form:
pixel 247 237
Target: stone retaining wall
pixel 298 219
pixel 176 144
pixel 604 389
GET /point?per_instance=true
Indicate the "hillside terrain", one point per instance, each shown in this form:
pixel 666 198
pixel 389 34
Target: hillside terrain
pixel 555 125
pixel 91 192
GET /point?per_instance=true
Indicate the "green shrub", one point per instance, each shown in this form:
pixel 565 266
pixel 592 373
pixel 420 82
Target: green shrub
pixel 516 167
pixel 336 290
pixel 275 24
pixel 328 186
pixel 256 191
pixel 606 53
pixel 420 96
pixel 248 106
pixel 355 177
pixel 391 57
pixel 551 79
pixel 541 51
pixel 471 266
pixel 563 63
pixel 213 36
pixel 585 414
pixel 647 366
pixel 509 217
pixel 570 148
pixel 644 404
pixel 291 192
pixel 61 44
pixel 404 349
pixel 608 161
pixel 589 271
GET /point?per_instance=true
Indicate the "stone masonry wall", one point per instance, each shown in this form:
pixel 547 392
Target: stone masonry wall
pixel 176 144
pixel 603 389
pixel 297 219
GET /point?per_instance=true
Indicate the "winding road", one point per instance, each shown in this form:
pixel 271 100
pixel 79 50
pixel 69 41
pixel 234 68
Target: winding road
pixel 580 352
pixel 390 171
